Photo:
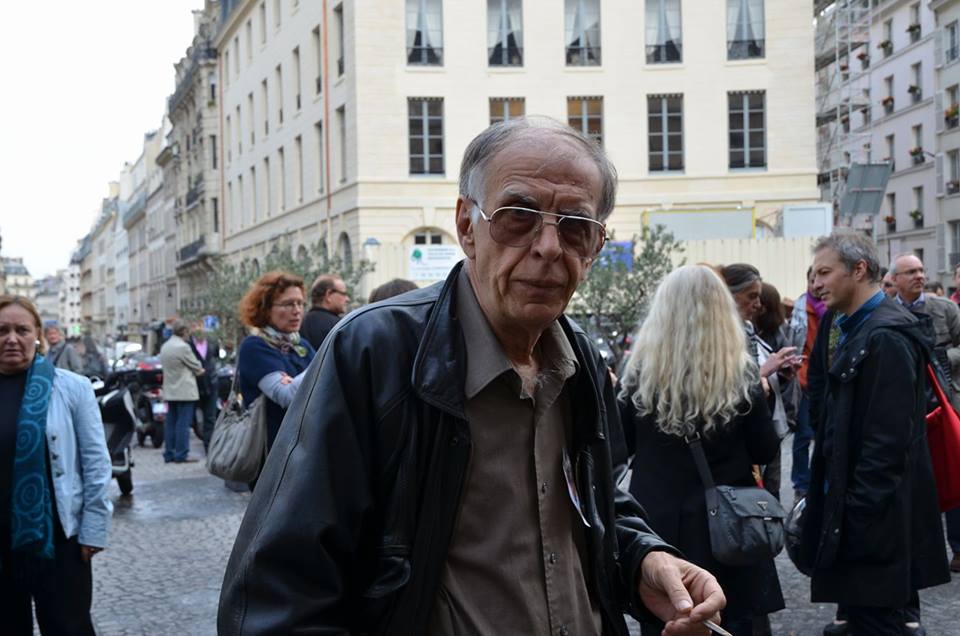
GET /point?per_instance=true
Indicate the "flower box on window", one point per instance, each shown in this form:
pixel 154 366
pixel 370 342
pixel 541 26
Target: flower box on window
pixel 887 100
pixel 891 222
pixel 916 151
pixel 953 187
pixel 863 55
pixel 885 45
pixel 913 88
pixel 913 28
pixel 917 216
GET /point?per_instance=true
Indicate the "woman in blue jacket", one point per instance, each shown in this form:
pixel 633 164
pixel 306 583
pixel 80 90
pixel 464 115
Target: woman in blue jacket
pixel 54 477
pixel 274 353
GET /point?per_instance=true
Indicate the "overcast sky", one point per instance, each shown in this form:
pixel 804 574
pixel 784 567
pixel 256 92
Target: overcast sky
pixel 82 83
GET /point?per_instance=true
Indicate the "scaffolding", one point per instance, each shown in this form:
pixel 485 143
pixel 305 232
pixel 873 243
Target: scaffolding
pixel 842 63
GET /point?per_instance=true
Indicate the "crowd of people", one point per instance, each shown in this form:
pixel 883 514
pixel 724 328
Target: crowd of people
pixel 459 459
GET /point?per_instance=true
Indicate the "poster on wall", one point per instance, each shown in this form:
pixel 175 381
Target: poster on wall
pixel 432 262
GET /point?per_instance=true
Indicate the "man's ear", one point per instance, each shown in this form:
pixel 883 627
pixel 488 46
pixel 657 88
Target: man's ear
pixel 465 228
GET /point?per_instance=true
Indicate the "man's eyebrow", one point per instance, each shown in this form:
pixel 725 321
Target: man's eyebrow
pixel 518 198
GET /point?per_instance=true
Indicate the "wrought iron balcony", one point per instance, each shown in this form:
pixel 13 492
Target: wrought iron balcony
pixel 192 250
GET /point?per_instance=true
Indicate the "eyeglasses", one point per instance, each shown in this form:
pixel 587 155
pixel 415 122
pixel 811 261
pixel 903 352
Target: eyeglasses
pixel 337 291
pixel 512 226
pixel 290 304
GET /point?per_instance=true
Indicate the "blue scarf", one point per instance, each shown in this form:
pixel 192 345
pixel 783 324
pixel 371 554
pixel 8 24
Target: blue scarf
pixel 31 520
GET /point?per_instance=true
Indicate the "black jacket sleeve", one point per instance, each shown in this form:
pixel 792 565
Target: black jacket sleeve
pixel 289 569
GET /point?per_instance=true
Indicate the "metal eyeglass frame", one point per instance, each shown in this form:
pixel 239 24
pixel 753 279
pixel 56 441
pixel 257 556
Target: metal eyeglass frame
pixel 560 217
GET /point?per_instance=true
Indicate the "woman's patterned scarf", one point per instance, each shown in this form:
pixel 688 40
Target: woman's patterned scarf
pixel 285 342
pixel 31 530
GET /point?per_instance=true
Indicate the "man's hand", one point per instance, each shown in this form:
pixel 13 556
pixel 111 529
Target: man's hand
pixel 679 593
pixel 87 552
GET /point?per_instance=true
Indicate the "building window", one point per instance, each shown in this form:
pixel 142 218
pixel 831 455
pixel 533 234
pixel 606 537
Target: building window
pixel 296 79
pixel 317 60
pixel 338 33
pixel 865 110
pixel 747 118
pixel 951 113
pixel 917 151
pixel 253 124
pixel 582 32
pixel 506 108
pixel 341 114
pixel 236 56
pixel 266 107
pixel 886 44
pixel 953 167
pixel 282 187
pixel 278 74
pixel 505 32
pixel 239 138
pixel 664 35
pixel 665 132
pixel 952 49
pixel 318 144
pixel 428 237
pixel 213 151
pixel 226 68
pixel 277 14
pixel 267 193
pixel 343 245
pixel 249 42
pixel 891 149
pixel 228 131
pixel 916 87
pixel 914 27
pixel 585 114
pixel 425 32
pixel 298 156
pixel 892 208
pixel 425 121
pixel 745 29
pixel 215 209
pixel 253 192
pixel 263 23
pixel 918 204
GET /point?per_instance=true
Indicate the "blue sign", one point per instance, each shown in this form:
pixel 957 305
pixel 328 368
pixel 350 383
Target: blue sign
pixel 614 252
pixel 211 323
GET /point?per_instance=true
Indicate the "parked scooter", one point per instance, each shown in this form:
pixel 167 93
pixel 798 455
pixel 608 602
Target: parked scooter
pixel 119 424
pixel 147 388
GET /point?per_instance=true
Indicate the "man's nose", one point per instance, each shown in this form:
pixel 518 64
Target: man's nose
pixel 547 243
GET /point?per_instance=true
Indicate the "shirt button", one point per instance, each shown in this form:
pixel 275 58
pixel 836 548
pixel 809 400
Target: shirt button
pixel 564 631
pixel 543 487
pixel 54 456
pixel 553 558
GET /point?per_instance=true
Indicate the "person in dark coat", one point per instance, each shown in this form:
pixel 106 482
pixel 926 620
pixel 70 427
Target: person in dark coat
pixel 872 534
pixel 329 300
pixel 662 403
pixel 207 351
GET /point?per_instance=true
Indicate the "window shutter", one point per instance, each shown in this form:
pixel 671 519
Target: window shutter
pixel 939 164
pixel 938 110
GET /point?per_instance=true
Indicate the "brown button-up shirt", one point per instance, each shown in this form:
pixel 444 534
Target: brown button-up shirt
pixel 514 562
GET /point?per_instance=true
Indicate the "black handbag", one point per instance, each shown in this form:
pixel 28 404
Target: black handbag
pixel 746 523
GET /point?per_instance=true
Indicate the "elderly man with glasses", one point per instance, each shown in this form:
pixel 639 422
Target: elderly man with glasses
pixel 450 463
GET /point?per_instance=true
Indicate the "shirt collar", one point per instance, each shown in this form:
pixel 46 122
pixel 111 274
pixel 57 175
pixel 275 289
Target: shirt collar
pixel 919 302
pixel 847 324
pixel 486 360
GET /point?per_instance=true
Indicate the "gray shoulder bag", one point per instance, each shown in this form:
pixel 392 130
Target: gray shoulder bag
pixel 239 441
pixel 746 523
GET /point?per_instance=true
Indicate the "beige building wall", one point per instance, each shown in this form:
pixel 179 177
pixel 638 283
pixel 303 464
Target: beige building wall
pixel 359 178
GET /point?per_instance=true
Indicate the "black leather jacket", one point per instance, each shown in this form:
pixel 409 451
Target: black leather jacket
pixel 349 525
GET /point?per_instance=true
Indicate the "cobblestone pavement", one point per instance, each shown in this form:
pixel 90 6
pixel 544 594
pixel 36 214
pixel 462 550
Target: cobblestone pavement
pixel 170 540
pixel 168 550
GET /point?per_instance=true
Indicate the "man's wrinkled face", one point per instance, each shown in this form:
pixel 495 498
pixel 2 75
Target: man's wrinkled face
pixel 529 287
pixel 337 298
pixel 909 277
pixel 833 283
pixel 889 287
pixel 52 335
pixel 748 301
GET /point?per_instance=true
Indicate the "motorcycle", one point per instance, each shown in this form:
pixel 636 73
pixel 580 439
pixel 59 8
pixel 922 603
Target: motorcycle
pixel 146 380
pixel 119 423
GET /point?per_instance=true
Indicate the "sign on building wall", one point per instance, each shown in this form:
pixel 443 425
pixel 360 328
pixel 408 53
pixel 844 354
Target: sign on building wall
pixel 432 262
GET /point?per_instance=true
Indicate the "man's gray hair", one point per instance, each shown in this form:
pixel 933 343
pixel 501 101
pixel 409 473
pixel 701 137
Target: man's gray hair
pixel 180 328
pixel 491 141
pixel 893 263
pixel 852 248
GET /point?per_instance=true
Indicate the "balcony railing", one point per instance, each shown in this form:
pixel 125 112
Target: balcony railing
pixel 200 53
pixel 951 53
pixel 192 250
pixel 954 260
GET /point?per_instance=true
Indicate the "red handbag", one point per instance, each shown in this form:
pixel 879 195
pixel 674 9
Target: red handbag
pixel 943 438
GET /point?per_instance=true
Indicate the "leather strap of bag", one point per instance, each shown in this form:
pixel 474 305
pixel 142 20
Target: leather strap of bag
pixel 700 459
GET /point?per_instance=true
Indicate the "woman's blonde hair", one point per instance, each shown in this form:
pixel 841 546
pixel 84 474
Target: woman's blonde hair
pixel 689 361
